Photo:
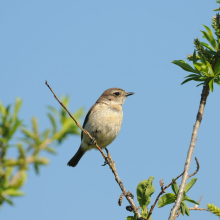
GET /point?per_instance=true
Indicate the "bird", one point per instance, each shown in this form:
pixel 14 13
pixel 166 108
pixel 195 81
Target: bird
pixel 103 122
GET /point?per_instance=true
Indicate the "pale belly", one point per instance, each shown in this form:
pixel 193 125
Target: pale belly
pixel 104 126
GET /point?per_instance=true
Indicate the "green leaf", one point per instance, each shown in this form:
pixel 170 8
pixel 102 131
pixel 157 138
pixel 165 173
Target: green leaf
pixel 14 128
pixel 217 67
pixel 18 103
pixel 189 79
pixel 166 199
pixel 54 111
pixel 209 36
pixel 206 70
pixel 8 201
pixel 144 191
pixel 175 187
pixel 206 45
pixel 194 57
pixel 28 133
pixel 185 66
pixel 182 208
pixel 217 9
pixel 36 167
pixel 4 140
pixel 22 153
pixel 65 100
pixel 210 52
pixel 2 109
pixel 202 58
pixel 131 218
pixel 187 210
pixel 185 198
pixel 51 150
pixel 46 133
pixel 193 75
pixel 211 82
pixel 41 160
pixel 79 113
pixel 35 128
pixel 13 192
pixel 200 84
pixel 53 122
pixel 210 71
pixel 190 184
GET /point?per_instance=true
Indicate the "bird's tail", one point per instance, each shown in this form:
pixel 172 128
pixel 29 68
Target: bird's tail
pixel 75 159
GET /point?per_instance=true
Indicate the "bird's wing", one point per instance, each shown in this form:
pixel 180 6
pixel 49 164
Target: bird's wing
pixel 90 112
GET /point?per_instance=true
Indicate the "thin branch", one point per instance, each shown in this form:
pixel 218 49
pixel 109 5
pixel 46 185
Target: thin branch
pixel 199 209
pixel 198 201
pixel 197 169
pixel 173 181
pixel 205 93
pixel 162 192
pixel 15 178
pixel 120 199
pixel 108 159
pixel 45 143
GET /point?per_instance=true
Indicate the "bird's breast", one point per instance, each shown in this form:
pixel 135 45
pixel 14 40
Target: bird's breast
pixel 104 124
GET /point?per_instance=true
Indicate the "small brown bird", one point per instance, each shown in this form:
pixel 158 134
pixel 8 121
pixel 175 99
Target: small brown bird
pixel 103 122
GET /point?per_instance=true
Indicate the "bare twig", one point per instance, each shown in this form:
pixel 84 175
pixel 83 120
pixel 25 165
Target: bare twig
pixel 198 201
pixel 200 209
pixel 178 213
pixel 197 169
pixel 120 199
pixel 108 159
pixel 161 192
pixel 204 95
pixel 173 181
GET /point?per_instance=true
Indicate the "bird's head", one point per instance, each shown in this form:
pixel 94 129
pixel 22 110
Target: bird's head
pixel 114 96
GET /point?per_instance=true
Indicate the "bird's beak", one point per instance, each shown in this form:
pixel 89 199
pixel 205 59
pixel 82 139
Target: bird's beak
pixel 129 93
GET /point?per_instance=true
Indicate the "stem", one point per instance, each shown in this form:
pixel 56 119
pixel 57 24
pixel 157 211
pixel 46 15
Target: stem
pixel 204 95
pixel 2 153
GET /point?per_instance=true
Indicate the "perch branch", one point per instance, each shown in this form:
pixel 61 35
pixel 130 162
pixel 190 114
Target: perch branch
pixel 204 95
pixel 108 159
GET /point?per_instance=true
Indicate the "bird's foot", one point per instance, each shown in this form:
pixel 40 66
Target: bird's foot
pixel 105 163
pixel 93 142
pixel 108 159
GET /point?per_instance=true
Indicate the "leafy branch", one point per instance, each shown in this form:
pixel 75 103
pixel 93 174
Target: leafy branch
pixel 30 144
pixel 206 72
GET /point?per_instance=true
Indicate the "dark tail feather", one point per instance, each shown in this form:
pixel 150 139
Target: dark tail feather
pixel 75 159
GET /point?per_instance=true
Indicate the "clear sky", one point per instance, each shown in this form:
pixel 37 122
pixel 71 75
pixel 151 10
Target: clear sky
pixel 83 48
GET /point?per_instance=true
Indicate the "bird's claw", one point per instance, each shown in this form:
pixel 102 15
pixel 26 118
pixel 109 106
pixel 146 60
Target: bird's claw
pixel 105 163
pixel 93 141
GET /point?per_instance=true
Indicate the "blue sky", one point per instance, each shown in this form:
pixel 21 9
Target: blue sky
pixel 83 48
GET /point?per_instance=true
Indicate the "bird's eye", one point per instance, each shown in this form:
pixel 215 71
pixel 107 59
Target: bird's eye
pixel 116 93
